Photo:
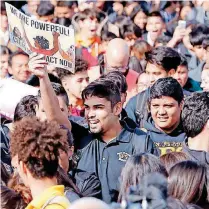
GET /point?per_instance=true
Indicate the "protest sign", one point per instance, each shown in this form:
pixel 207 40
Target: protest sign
pixel 55 41
pixel 13 91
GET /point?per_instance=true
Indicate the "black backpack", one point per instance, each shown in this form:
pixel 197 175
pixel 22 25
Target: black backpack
pixel 142 111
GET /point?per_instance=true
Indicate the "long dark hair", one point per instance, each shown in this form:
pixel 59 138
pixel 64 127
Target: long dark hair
pixel 187 182
pixel 136 167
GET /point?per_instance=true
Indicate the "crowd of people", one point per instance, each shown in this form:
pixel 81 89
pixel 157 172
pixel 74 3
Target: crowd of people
pixel 129 128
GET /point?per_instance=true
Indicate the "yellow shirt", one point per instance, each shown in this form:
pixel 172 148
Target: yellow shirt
pixel 47 195
pixel 91 44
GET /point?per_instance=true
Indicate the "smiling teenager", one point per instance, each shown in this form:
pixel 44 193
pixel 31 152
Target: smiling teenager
pixel 108 145
pixel 164 126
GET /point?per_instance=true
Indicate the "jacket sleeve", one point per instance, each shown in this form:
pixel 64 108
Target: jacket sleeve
pixel 131 108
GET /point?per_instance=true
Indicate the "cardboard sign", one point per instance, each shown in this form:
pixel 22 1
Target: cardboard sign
pixel 55 41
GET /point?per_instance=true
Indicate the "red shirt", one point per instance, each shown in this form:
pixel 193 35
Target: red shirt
pixel 131 79
pixel 75 111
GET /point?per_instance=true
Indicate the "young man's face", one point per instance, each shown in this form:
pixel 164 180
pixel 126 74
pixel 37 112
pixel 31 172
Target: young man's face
pixel 63 12
pixel 155 27
pixel 41 114
pixel 100 115
pixel 76 83
pixel 205 80
pixel 199 51
pixel 155 72
pixel 181 75
pixel 165 112
pixel 19 68
pixel 89 27
pixel 4 65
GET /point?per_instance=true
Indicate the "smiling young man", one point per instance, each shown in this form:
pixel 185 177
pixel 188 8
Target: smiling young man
pixel 18 66
pixel 74 85
pixel 155 26
pixel 164 126
pixel 162 62
pixel 105 149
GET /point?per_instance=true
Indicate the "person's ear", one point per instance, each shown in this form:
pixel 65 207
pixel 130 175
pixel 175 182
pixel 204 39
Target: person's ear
pixel 171 72
pixel 117 108
pixel 181 105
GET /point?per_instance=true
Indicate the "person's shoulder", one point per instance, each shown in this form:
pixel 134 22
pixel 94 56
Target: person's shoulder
pixel 139 134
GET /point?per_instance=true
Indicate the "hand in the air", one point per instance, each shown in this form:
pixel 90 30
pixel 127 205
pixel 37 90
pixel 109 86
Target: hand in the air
pixel 38 65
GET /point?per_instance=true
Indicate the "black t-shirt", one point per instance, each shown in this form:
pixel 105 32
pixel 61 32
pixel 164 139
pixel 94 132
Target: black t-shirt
pixel 107 160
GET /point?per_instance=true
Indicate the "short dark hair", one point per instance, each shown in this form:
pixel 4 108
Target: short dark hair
pixel 155 14
pixel 103 88
pixel 16 53
pixel 59 91
pixel 68 4
pixel 107 36
pixel 198 34
pixel 183 61
pixel 119 79
pixel 166 87
pixel 130 29
pixel 4 50
pixel 37 145
pixel 80 65
pixel 3 8
pixel 195 113
pixel 88 13
pixel 165 57
pixel 45 9
pixel 26 107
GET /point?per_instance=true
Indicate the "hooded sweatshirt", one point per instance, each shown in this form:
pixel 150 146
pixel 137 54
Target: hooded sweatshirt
pixel 165 142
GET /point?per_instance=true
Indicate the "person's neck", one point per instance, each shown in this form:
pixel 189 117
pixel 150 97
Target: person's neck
pixel 111 134
pixel 170 130
pixel 199 142
pixel 38 186
pixel 74 101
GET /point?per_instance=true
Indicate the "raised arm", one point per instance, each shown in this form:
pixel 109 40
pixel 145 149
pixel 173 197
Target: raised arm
pixel 27 40
pixel 50 102
pixel 64 54
pixel 54 50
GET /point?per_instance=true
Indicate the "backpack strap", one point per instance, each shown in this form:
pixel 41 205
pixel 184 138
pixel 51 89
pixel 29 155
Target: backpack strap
pixel 56 200
pixel 141 104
